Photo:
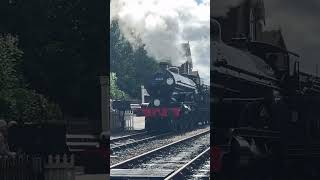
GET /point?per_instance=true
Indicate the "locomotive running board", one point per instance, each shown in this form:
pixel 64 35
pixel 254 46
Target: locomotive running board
pixel 139 173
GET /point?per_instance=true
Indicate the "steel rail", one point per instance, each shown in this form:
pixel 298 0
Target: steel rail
pixel 116 139
pixel 149 153
pixel 179 171
pixel 138 141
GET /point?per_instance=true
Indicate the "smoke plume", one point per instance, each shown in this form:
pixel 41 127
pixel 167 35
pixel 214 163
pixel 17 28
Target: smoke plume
pixel 162 25
pixel 222 7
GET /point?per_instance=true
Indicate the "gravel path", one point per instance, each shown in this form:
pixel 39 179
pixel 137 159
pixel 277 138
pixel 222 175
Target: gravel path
pixel 130 152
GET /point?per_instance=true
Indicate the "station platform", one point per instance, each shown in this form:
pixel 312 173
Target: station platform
pixel 92 177
pixel 117 174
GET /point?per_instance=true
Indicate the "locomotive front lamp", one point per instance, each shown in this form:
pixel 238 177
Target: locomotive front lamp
pixel 169 81
pixel 156 102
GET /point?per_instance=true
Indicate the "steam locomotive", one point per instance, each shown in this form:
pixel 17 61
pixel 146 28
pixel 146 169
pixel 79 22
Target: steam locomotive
pixel 264 115
pixel 178 101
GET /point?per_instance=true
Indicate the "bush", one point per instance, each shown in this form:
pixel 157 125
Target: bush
pixel 17 101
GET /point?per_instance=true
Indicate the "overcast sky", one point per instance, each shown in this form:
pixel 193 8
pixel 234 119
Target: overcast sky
pixel 299 22
pixel 162 25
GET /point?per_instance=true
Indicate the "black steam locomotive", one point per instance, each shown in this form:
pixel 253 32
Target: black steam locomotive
pixel 264 115
pixel 178 101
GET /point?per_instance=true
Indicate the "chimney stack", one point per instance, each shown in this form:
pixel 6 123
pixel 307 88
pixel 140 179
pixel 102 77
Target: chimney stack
pixel 187 66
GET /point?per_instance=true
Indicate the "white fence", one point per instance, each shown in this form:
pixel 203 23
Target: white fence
pixel 34 168
pixel 59 168
pixel 129 120
pixel 117 123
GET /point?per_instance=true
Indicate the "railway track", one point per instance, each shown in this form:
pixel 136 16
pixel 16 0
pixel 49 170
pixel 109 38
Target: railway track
pixel 163 161
pixel 197 168
pixel 135 139
pixel 128 136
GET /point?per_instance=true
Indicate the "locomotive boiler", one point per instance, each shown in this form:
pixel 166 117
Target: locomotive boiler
pixel 178 101
pixel 263 112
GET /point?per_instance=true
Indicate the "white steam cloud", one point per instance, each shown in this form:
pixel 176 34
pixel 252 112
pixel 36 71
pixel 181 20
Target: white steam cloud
pixel 163 25
pixel 222 7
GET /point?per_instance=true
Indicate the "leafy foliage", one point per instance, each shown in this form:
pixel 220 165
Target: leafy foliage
pixel 133 67
pixel 10 58
pixel 17 102
pixel 115 92
pixel 64 45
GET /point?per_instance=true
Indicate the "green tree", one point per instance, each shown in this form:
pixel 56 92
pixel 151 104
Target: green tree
pixel 10 59
pixel 115 92
pixel 17 101
pixel 64 45
pixel 133 67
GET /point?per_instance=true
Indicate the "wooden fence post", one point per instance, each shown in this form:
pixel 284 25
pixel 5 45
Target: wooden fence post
pixel 59 168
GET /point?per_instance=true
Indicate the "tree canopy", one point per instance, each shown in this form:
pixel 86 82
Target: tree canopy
pixel 133 67
pixel 17 101
pixel 115 92
pixel 64 49
pixel 61 53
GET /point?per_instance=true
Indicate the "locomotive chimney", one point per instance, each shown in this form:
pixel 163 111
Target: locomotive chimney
pixel 187 66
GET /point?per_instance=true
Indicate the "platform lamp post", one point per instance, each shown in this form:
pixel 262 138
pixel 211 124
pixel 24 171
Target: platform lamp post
pixel 104 82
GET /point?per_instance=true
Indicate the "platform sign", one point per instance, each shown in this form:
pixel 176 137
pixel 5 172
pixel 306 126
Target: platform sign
pixel 144 95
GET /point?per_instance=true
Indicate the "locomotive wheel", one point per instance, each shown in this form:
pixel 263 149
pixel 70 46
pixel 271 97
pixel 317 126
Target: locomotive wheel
pixel 153 124
pixel 172 124
pixel 183 124
pixel 186 122
pixel 190 124
pixel 147 124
